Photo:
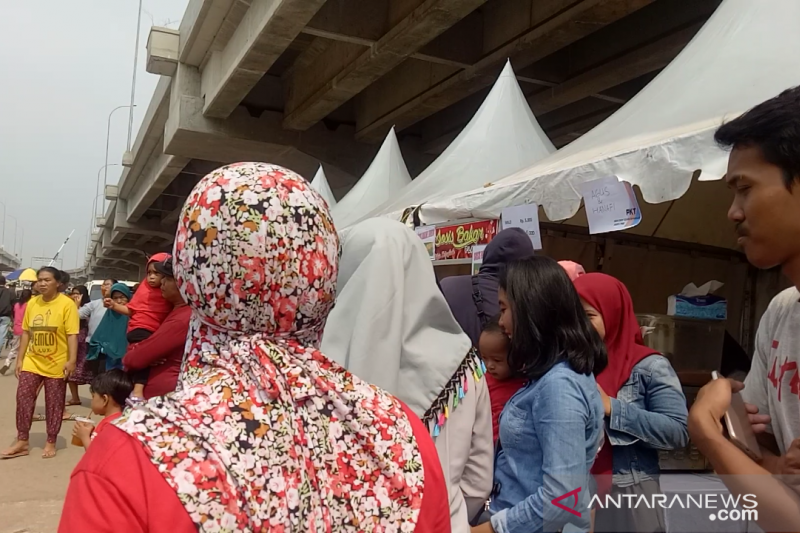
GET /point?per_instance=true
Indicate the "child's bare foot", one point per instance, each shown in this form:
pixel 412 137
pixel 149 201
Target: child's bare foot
pixel 138 391
pixel 49 450
pixel 18 449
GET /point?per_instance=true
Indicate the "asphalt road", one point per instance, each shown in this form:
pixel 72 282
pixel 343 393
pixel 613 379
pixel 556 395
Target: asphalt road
pixel 32 489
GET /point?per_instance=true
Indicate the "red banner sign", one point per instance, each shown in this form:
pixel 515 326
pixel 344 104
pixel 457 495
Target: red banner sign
pixel 456 242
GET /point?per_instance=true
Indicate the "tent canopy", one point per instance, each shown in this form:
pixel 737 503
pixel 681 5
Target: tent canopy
pixel 746 53
pixel 503 137
pixel 320 184
pixel 23 274
pixel 383 179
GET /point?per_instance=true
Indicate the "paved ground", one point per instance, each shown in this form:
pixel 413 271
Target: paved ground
pixel 32 489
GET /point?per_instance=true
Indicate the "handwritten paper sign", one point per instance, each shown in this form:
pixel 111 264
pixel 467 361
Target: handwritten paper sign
pixel 525 217
pixel 477 257
pixel 610 205
pixel 428 236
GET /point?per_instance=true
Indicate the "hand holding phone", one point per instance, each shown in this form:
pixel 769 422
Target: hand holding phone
pixel 737 423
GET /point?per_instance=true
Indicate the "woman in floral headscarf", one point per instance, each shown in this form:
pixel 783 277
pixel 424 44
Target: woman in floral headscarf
pixel 264 433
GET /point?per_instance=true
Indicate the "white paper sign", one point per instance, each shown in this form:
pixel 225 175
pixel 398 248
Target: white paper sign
pixel 610 205
pixel 428 236
pixel 477 257
pixel 525 217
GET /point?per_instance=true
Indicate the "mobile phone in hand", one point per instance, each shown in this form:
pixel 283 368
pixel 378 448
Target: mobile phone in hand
pixel 737 423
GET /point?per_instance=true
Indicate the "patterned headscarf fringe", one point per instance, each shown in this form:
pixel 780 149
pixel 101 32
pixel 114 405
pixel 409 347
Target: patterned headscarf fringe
pixel 453 392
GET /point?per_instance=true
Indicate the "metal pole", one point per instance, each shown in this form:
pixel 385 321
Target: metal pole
pixel 133 83
pixel 3 242
pixel 21 240
pixel 108 137
pixel 15 233
pixel 97 192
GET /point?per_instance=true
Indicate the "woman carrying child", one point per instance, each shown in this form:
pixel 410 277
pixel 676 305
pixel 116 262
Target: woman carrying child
pixel 643 404
pixel 551 429
pixel 147 310
pixel 108 344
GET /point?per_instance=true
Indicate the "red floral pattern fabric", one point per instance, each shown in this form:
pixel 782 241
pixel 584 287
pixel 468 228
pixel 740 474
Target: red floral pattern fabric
pixel 264 433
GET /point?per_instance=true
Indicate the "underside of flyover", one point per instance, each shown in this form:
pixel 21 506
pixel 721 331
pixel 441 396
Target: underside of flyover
pixel 304 82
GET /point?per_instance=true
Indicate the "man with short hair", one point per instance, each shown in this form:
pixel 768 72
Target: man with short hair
pixel 6 310
pixel 163 351
pixel 764 173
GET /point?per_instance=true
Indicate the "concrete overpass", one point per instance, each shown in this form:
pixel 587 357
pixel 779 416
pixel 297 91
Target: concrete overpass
pixel 8 260
pixel 299 82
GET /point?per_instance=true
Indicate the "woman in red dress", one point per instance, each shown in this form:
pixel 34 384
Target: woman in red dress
pixel 264 433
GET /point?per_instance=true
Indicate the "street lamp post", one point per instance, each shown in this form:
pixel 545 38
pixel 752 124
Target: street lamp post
pixel 15 233
pixel 97 191
pixel 108 137
pixel 3 241
pixel 133 82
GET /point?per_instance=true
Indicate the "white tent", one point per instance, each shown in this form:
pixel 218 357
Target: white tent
pixel 503 137
pixel 383 179
pixel 746 53
pixel 320 184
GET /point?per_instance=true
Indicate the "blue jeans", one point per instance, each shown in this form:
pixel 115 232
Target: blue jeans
pixel 5 322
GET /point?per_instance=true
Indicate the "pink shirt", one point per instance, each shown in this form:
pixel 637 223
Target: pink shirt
pixel 19 314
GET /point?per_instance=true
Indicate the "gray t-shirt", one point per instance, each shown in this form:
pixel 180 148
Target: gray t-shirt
pixel 773 384
pixel 94 312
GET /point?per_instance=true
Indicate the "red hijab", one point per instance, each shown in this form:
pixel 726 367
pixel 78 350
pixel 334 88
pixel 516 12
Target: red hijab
pixel 624 345
pixel 148 305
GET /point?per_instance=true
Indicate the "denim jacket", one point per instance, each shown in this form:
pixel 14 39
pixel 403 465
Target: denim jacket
pixel 648 414
pixel 550 431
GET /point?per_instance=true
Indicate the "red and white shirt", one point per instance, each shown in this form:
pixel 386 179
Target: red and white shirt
pixel 773 384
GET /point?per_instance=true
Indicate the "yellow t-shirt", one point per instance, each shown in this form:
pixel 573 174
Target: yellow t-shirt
pixel 48 324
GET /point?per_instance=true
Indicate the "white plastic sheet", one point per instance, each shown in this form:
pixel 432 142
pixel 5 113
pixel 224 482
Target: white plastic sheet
pixel 503 137
pixel 747 52
pixel 383 179
pixel 320 184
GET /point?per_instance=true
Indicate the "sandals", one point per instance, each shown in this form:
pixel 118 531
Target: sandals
pixel 69 416
pixel 73 402
pixel 48 454
pixel 23 453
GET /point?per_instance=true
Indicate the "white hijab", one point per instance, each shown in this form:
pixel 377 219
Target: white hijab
pixel 391 325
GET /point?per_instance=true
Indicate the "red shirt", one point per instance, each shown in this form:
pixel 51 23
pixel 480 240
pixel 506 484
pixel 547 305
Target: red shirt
pixel 499 394
pixel 162 352
pixel 104 424
pixel 116 488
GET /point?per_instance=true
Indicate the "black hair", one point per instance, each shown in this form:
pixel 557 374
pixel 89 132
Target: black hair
pixel 112 280
pixel 25 296
pixel 550 325
pixel 54 271
pixel 493 326
pixel 84 294
pixel 115 383
pixel 65 277
pixel 774 127
pixel 2 280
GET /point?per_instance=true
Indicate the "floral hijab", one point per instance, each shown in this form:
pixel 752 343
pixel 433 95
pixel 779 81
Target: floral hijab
pixel 264 432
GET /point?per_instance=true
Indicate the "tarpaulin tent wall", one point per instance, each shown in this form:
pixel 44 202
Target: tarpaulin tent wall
pixel 502 137
pixel 320 184
pixel 383 179
pixel 746 53
pixel 662 142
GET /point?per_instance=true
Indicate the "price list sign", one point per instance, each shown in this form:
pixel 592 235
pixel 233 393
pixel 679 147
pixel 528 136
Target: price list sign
pixel 525 217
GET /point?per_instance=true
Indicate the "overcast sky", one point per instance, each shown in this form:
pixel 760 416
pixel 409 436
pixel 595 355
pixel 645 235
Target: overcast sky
pixel 64 66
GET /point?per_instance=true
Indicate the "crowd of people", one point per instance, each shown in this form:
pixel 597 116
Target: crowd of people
pixel 238 397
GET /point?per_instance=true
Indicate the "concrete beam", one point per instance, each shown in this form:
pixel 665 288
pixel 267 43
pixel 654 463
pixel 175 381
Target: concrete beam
pixel 310 97
pixel 199 26
pixel 648 58
pixel 122 227
pixel 416 90
pixel 241 137
pixel 268 28
pixel 149 135
pixel 161 171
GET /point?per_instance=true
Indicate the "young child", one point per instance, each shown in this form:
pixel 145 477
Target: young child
pixel 493 346
pixel 109 392
pixel 147 310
